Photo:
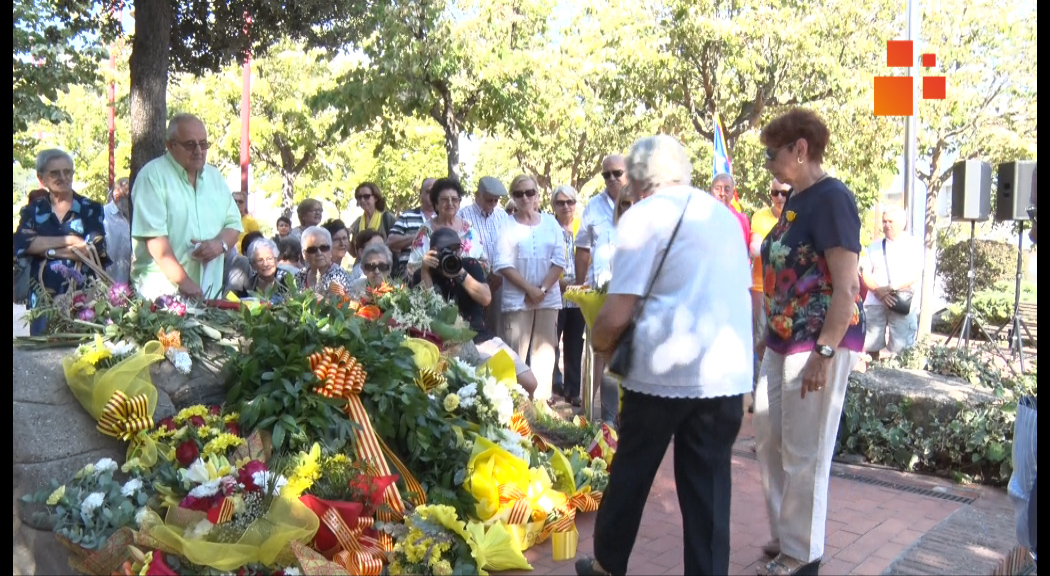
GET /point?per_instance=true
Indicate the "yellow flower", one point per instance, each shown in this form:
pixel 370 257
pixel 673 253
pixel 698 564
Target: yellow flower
pixel 451 402
pixel 305 473
pixel 442 568
pixel 187 413
pixel 221 443
pixel 790 215
pixel 57 495
pixel 231 417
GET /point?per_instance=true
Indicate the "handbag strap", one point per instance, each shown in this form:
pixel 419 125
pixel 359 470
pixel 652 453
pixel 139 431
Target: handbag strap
pixel 660 266
pixel 886 259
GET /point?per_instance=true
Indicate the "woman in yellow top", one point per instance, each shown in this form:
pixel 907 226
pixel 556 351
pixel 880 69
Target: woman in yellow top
pixel 249 223
pixel 370 200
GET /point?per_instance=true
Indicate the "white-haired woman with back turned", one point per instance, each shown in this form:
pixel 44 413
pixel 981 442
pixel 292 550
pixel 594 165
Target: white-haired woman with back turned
pixel 691 358
pixel 320 274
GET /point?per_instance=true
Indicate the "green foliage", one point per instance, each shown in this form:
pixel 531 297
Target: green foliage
pixel 271 386
pixel 994 262
pixel 56 45
pixel 993 307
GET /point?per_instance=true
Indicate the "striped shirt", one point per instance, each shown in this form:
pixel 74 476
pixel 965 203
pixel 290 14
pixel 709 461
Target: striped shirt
pixel 408 224
pixel 489 227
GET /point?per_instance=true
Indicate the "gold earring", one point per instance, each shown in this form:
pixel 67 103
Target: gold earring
pixel 799 159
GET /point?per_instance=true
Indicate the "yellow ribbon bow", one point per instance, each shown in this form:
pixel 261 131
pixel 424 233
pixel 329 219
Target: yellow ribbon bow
pixel 123 417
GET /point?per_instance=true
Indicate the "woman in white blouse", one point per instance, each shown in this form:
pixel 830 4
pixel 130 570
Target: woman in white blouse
pixel 531 258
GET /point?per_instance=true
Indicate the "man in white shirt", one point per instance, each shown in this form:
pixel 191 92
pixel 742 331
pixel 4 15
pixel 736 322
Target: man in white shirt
pixel 489 219
pixel 691 358
pixel 903 254
pixel 118 232
pixel 595 245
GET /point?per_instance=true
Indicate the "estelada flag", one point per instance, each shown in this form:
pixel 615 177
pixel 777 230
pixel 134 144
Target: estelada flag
pixel 721 160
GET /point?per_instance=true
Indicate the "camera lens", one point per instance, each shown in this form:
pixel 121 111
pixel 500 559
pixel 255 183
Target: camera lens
pixel 450 263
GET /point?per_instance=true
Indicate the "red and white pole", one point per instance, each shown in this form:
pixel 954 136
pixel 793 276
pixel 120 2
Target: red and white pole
pixel 246 105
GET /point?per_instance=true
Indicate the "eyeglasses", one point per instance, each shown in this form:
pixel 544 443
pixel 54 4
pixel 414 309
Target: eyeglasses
pixel 56 174
pixel 610 174
pixel 626 204
pixel 314 249
pixel 531 193
pixel 316 211
pixel 451 200
pixel 781 193
pixel 265 261
pixel 190 145
pixel 771 153
pixel 361 197
pixel 375 267
pixel 564 203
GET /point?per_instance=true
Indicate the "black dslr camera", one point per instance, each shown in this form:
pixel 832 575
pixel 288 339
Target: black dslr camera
pixel 449 261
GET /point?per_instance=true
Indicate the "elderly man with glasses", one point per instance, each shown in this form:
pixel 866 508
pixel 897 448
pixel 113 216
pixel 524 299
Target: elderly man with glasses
pixel 489 219
pixel 185 218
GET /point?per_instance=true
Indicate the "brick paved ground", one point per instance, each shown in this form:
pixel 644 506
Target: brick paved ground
pixel 875 516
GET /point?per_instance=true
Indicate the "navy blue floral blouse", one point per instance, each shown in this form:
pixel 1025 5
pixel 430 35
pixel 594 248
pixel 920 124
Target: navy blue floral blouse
pixel 85 219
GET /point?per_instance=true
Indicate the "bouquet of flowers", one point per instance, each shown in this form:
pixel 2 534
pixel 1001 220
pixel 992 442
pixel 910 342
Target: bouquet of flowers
pixel 590 300
pixel 195 433
pixel 92 515
pixel 424 310
pixel 432 542
pixel 157 563
pixel 480 399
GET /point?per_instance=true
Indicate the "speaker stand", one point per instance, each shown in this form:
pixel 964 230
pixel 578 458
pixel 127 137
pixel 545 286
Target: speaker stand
pixel 962 328
pixel 1017 323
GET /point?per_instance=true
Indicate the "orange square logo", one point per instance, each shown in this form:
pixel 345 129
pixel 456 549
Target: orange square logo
pixel 934 88
pixel 893 96
pixel 899 54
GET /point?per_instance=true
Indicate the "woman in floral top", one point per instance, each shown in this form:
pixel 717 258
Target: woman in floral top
pixel 816 330
pixel 446 195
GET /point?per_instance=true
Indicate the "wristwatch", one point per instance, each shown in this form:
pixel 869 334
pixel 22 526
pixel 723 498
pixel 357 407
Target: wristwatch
pixel 825 350
pixel 225 247
pixel 50 253
pixel 543 289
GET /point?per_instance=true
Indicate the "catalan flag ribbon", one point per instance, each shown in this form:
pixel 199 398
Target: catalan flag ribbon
pixel 721 159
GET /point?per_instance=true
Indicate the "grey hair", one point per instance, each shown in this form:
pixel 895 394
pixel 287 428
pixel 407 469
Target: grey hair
pixel 316 232
pixel 44 158
pixel 723 176
pixel 565 190
pixel 259 244
pixel 657 162
pixel 178 119
pixel 380 249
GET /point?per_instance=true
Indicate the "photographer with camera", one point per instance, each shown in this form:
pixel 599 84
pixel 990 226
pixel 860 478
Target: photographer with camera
pixel 463 280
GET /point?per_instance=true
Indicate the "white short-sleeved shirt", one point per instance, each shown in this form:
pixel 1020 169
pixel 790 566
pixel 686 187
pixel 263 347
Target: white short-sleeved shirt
pixel 693 336
pixel 906 256
pixel 532 251
pixel 598 235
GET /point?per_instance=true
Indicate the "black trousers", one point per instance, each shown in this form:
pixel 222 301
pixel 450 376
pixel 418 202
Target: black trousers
pixel 704 431
pixel 571 326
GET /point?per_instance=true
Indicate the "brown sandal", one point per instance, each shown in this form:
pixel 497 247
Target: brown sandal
pixel 786 566
pixel 771 548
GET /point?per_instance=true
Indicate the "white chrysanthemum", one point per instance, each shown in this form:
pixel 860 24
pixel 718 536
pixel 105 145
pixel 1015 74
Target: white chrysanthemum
pixel 122 348
pixel 196 473
pixel 292 571
pixel 91 503
pixel 206 490
pixel 464 366
pixel 105 465
pixel 140 516
pixel 264 478
pixel 131 487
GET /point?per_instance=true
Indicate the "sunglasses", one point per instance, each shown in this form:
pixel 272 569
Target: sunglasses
pixel 626 204
pixel 523 193
pixel 564 203
pixel 771 153
pixel 315 249
pixel 190 145
pixel 610 174
pixel 781 193
pixel 448 200
pixel 363 197
pixel 375 266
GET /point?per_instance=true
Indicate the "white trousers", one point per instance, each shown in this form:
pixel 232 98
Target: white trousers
pixel 535 332
pixel 795 440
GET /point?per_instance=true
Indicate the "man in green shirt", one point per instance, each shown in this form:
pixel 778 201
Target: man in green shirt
pixel 185 219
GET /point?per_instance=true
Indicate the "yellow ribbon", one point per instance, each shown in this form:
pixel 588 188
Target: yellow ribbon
pixel 360 554
pixel 123 417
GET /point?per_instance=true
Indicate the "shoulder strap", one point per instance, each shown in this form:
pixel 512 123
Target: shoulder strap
pixel 663 258
pixel 886 259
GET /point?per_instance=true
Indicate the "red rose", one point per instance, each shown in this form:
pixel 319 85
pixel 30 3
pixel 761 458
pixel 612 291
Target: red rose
pixel 187 452
pixel 215 410
pixel 244 475
pixel 167 423
pixel 197 421
pixel 232 428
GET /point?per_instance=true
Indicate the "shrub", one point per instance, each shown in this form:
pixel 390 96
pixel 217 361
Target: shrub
pixel 994 261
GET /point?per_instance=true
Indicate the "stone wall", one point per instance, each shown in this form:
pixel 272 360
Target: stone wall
pixel 53 437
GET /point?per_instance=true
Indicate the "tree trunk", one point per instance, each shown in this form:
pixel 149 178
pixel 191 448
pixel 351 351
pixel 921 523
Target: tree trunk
pixel 149 81
pixel 452 150
pixel 288 193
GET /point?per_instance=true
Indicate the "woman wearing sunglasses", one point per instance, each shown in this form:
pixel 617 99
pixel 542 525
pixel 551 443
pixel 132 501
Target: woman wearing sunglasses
pixel 320 274
pixel 816 330
pixel 374 215
pixel 531 257
pixel 376 260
